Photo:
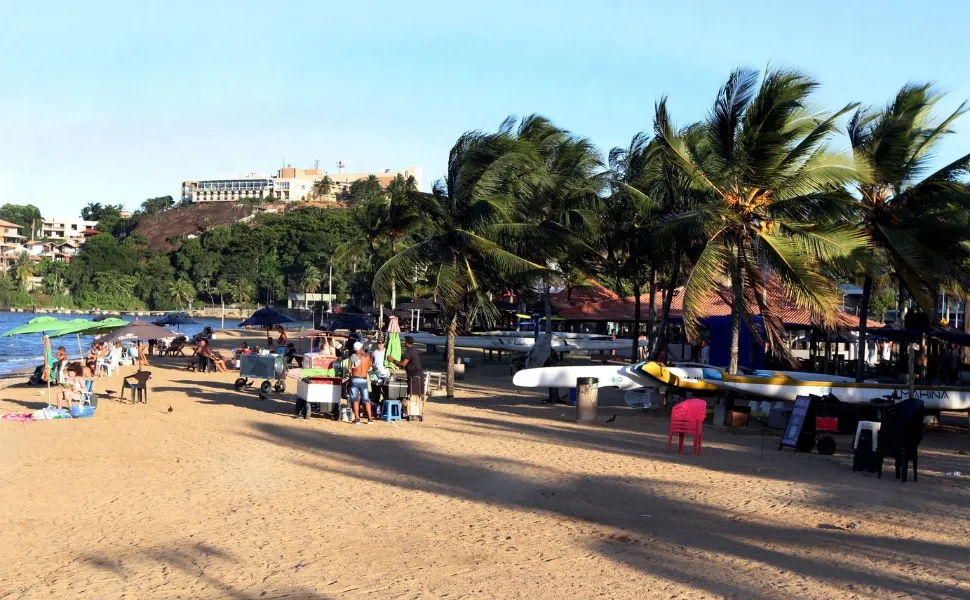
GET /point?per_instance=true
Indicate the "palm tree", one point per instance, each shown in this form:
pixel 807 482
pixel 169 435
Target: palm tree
pixel 468 210
pixel 400 217
pixel 312 279
pixel 559 200
pixel 630 215
pixel 321 188
pixel 909 219
pixel 180 290
pixel 774 190
pixel 23 270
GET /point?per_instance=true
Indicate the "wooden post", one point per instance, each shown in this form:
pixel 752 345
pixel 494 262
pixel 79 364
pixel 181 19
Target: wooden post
pixel 587 399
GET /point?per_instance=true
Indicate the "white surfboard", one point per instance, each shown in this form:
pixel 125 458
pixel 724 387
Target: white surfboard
pixel 618 376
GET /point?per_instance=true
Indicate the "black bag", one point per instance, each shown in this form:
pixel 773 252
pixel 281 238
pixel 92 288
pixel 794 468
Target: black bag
pixel 38 377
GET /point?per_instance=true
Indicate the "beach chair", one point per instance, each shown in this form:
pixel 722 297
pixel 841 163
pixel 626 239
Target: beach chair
pixel 138 384
pixel 107 364
pixel 687 417
pixel 88 396
pixel 900 436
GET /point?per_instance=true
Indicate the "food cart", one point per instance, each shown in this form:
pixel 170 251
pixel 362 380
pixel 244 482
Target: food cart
pixel 269 367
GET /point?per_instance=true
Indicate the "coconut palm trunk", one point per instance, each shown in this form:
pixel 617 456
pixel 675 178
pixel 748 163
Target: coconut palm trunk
pixel 450 353
pixel 636 319
pixel 668 300
pixel 860 374
pixel 651 311
pixel 737 305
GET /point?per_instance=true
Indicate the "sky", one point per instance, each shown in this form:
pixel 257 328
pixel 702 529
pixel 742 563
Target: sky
pixel 116 102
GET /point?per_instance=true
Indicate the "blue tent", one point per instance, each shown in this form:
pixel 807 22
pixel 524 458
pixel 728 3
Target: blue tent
pixel 750 353
pixel 267 317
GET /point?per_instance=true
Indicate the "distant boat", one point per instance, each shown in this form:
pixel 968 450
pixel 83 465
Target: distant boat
pixel 524 344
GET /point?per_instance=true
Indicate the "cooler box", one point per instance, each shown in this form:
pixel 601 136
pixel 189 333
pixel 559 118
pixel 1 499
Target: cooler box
pixel 397 389
pixel 260 367
pixel 315 360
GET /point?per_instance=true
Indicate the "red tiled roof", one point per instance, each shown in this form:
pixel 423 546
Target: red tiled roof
pixel 91 231
pixel 580 295
pixel 8 224
pixel 711 304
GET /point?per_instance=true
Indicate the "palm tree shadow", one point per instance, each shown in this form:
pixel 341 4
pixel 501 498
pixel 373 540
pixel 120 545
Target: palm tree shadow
pixel 667 545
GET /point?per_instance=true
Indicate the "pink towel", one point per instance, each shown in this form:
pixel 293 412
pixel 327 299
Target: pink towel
pixel 22 417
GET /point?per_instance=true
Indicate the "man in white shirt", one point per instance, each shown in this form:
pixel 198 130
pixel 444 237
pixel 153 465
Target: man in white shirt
pixel 379 357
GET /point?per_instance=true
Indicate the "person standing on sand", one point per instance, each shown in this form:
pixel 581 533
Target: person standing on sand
pixel 281 341
pixel 360 364
pixel 411 363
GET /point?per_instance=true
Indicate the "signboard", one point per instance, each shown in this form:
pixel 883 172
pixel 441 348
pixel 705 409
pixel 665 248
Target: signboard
pixel 799 415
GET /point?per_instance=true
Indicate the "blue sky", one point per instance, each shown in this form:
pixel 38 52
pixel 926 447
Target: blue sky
pixel 115 102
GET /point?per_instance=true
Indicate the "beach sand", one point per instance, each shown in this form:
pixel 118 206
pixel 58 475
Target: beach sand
pixel 494 495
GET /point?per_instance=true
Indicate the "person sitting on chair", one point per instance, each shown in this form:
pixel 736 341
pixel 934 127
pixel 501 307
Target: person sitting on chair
pixel 72 385
pixel 205 351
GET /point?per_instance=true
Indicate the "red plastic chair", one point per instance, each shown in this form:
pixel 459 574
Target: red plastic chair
pixel 687 417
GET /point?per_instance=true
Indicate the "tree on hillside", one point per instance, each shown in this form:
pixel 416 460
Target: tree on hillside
pixel 23 270
pixel 27 216
pixel 762 157
pixel 908 218
pixel 312 278
pixel 366 190
pixel 181 291
pixel 465 210
pixel 154 206
pixel 401 217
pixel 322 187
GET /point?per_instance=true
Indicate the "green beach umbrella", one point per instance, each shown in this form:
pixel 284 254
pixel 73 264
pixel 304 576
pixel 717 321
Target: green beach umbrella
pixel 45 324
pixel 393 347
pixel 86 327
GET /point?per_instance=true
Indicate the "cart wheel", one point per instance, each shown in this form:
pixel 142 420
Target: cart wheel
pixel 265 387
pixel 826 445
pixel 408 418
pixel 421 418
pixel 280 386
pixel 805 442
pixel 240 384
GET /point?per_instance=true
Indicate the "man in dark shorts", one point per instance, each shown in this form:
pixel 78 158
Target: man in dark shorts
pixel 411 363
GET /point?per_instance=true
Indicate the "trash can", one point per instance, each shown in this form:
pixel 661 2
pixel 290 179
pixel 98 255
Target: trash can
pixel 587 399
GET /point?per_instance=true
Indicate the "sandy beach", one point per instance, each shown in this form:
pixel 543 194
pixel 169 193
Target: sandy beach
pixel 494 495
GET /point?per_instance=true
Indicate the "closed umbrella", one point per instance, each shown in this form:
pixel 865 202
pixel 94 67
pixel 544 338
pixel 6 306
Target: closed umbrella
pixel 393 341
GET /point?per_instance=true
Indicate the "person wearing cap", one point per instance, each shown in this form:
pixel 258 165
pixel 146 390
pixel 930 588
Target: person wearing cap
pixel 411 363
pixel 360 364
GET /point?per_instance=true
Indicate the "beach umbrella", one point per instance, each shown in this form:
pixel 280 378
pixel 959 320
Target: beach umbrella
pixel 267 317
pixel 137 330
pixel 177 319
pixel 83 326
pixel 393 347
pixel 43 325
pixel 350 323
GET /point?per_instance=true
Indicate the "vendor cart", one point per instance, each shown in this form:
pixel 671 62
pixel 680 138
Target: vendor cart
pixel 266 366
pixel 319 394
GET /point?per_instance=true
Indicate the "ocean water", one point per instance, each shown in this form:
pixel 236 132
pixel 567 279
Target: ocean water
pixel 21 352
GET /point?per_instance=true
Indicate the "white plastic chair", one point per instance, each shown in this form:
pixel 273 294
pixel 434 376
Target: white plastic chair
pixel 110 362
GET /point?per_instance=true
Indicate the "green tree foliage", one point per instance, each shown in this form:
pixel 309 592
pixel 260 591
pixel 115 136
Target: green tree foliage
pixel 108 216
pixel 26 215
pixel 909 218
pixel 773 187
pixel 468 211
pixel 322 188
pixel 366 190
pixel 154 206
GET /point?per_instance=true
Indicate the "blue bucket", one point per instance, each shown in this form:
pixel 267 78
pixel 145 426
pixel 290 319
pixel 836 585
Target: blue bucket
pixel 82 412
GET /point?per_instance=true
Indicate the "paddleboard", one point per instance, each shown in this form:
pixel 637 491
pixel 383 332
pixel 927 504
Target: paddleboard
pixel 618 376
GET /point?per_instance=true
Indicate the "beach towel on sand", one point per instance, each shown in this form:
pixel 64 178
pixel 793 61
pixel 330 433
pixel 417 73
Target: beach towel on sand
pixel 21 417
